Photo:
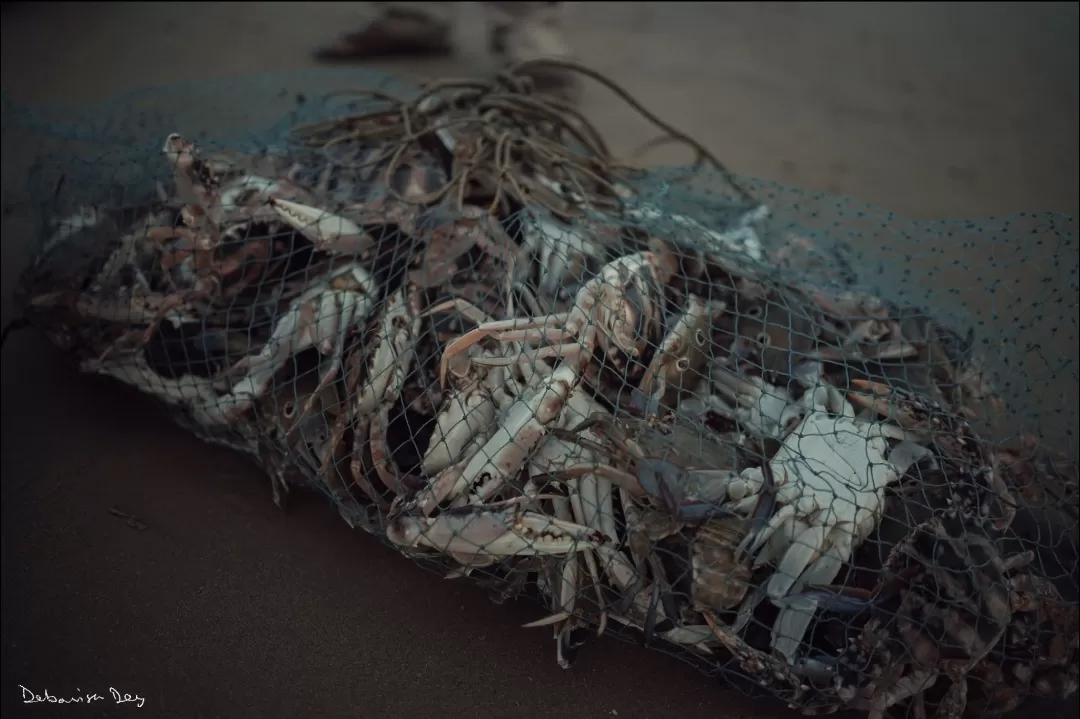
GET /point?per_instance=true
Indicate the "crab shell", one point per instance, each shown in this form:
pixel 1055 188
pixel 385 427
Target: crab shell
pixel 830 476
pixel 719 580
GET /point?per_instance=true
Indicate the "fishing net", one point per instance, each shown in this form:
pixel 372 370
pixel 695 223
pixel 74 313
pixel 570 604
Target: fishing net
pixel 816 449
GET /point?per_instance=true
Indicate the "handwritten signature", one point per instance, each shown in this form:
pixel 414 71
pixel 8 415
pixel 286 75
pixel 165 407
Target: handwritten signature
pixel 117 697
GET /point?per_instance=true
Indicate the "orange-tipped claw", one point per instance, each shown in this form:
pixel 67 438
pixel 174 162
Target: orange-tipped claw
pixel 878 399
pixel 874 398
pixel 876 388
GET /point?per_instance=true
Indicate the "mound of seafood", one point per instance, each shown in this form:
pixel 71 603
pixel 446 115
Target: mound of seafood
pixel 449 316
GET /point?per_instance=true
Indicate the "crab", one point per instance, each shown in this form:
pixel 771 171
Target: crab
pixel 767 671
pixel 1039 654
pixel 948 435
pixel 477 394
pixel 946 598
pixel 720 576
pixel 604 317
pixel 670 460
pixel 658 499
pixel 830 477
pixel 320 317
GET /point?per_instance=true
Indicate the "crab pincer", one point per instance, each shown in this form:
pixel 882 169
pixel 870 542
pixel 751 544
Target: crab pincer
pixel 327 231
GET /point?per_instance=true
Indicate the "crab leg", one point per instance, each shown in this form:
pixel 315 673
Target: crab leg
pixel 878 400
pixel 591 485
pixel 565 595
pixel 584 501
pixel 764 409
pixel 569 581
pixel 467 413
pixel 619 569
pixel 394 371
pixel 470 409
pixel 295 332
pixel 500 531
pixel 385 468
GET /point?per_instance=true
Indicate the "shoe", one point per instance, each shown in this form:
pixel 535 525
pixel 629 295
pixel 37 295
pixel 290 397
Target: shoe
pixel 397 32
pixel 533 41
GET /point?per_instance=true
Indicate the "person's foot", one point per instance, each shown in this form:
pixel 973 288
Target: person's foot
pixel 533 41
pixel 394 33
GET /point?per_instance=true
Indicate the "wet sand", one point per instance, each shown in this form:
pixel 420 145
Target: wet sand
pixel 225 606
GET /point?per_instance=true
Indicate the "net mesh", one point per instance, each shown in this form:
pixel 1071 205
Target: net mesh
pixel 814 448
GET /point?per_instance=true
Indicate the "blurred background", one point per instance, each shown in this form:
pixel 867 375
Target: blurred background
pixel 225 606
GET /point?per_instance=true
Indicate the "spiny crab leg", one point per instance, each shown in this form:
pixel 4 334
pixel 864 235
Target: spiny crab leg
pixel 602 308
pixel 565 594
pixel 501 530
pixel 327 231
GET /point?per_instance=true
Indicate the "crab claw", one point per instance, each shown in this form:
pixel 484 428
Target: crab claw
pixel 327 231
pixel 494 532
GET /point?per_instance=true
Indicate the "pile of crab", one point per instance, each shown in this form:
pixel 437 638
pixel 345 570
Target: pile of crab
pixel 659 435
